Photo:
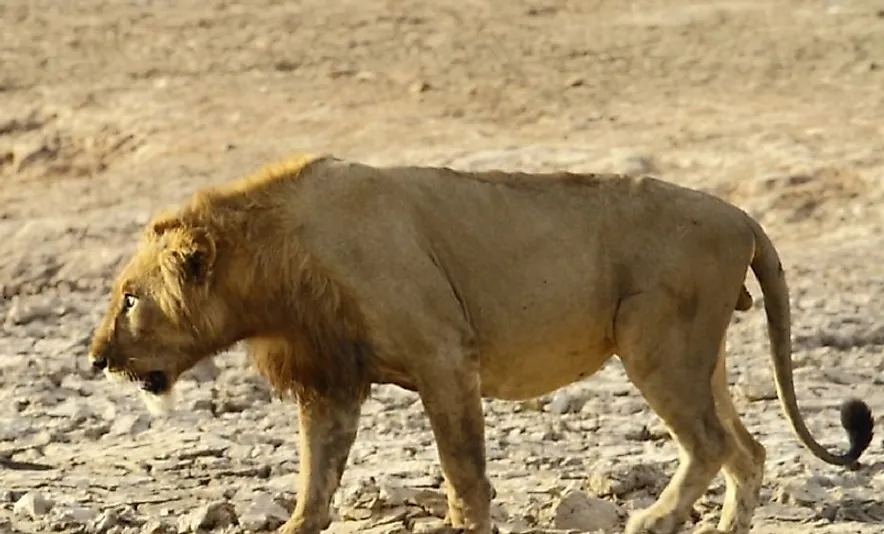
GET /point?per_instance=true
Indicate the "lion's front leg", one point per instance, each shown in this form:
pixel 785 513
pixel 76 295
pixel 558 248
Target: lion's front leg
pixel 327 432
pixel 454 406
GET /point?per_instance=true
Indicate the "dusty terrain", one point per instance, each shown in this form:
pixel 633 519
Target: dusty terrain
pixel 109 110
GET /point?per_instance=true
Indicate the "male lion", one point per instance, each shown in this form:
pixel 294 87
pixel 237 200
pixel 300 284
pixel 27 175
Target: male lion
pixel 458 286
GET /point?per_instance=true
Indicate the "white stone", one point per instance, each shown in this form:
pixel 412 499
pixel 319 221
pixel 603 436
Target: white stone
pixel 218 514
pixel 579 511
pixel 560 403
pixel 32 504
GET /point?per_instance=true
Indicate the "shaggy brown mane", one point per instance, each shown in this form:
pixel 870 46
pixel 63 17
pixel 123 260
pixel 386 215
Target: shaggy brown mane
pixel 303 331
pixel 284 170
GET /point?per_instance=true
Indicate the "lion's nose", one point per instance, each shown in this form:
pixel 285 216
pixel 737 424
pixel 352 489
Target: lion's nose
pixel 99 363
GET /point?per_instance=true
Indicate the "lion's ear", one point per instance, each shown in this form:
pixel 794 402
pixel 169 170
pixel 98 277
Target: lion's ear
pixel 194 253
pixel 161 223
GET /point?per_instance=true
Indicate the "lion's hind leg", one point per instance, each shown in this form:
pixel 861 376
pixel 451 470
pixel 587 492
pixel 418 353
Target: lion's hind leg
pixel 671 360
pixel 743 468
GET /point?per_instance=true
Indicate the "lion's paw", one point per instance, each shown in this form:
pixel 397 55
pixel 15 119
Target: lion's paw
pixel 493 530
pixel 650 521
pixel 299 526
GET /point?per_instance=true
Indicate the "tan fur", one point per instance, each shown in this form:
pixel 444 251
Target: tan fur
pixel 460 286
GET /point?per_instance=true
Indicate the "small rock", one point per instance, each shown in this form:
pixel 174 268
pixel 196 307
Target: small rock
pixel 20 313
pixel 96 431
pixel 356 499
pixel 385 529
pixel 32 504
pixel 43 438
pixel 419 87
pixel 637 164
pixel 204 371
pixel 286 499
pixel 201 404
pixel 105 522
pixel 579 511
pixel 392 492
pixel 757 386
pixel 389 517
pixel 207 448
pixel 74 410
pixel 529 405
pixel 428 525
pixel 261 512
pixel 808 493
pixel 131 424
pixel 628 406
pixel 108 411
pixel 621 479
pixel 157 527
pixel 786 513
pixel 15 428
pixel 842 378
pixel 648 433
pixel 69 517
pixel 215 515
pixel 561 403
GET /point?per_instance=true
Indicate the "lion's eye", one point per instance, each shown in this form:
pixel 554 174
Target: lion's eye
pixel 129 301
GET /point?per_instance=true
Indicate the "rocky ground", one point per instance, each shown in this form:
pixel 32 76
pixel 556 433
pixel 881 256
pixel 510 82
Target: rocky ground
pixel 109 110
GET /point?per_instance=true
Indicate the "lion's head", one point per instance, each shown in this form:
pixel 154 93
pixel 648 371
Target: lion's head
pixel 225 267
pixel 165 313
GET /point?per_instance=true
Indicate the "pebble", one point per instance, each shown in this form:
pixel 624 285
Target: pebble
pixel 579 511
pixel 419 87
pixel 361 495
pixel 72 516
pixel 648 433
pixel 104 522
pixel 562 402
pixel 385 529
pixel 757 386
pixel 74 410
pixel 32 504
pixel 392 492
pixel 130 424
pixel 21 313
pixel 427 525
pixel 15 427
pixel 216 515
pixel 806 493
pixel 155 526
pixel 621 479
pixel 261 512
pixel 204 371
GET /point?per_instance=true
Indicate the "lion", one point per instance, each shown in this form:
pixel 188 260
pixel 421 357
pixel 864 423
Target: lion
pixel 460 286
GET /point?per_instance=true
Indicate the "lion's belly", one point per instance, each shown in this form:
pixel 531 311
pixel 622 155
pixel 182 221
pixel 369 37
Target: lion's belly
pixel 530 370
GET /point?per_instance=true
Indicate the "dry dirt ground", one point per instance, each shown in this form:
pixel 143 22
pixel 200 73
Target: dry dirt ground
pixel 110 109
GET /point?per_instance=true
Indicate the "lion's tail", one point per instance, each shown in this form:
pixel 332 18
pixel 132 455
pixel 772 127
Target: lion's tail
pixel 856 417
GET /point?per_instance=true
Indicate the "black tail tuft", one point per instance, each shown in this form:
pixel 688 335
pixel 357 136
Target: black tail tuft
pixel 856 418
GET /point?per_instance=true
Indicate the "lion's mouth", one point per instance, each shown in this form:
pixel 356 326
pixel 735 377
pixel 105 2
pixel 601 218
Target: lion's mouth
pixel 155 382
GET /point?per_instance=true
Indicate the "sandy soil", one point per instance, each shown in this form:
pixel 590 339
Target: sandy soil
pixel 109 110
